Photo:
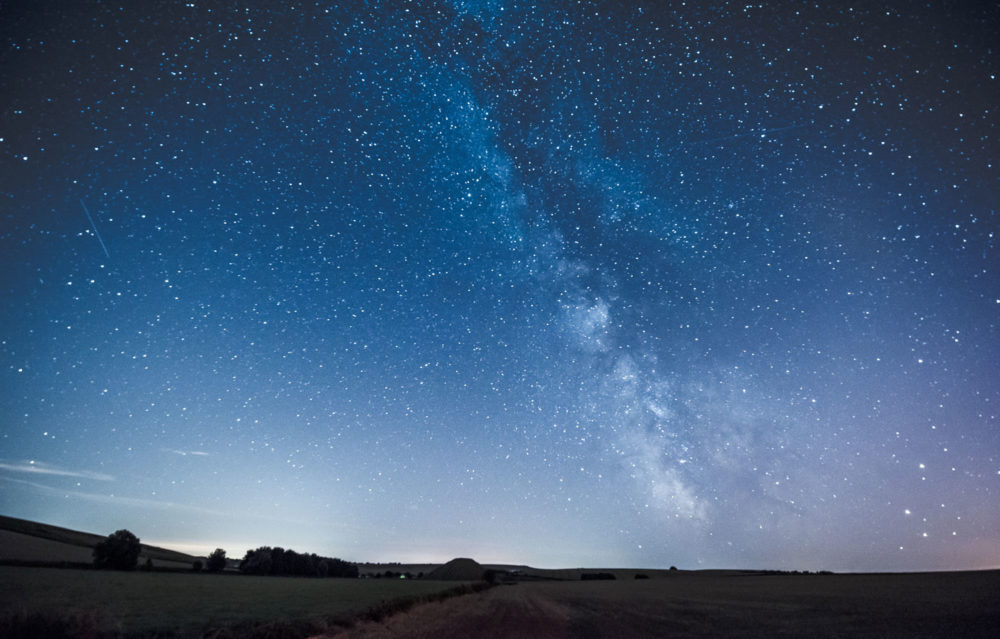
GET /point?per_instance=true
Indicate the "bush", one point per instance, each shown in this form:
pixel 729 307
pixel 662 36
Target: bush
pixel 196 565
pixel 217 560
pixel 120 551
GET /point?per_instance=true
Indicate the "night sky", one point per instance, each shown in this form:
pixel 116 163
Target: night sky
pixel 566 283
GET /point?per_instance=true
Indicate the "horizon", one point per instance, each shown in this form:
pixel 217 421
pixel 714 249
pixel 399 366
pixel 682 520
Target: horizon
pixel 198 550
pixel 571 284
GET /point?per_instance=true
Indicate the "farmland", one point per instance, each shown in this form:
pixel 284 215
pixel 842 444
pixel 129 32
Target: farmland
pixel 713 605
pixel 47 601
pixel 32 541
pixel 684 604
pixel 188 605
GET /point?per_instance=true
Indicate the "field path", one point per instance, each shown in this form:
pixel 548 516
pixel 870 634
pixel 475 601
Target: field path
pixel 859 606
pixel 504 611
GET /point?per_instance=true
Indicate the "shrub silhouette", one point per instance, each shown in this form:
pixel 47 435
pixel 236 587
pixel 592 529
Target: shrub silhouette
pixel 120 551
pixel 216 561
pixel 278 561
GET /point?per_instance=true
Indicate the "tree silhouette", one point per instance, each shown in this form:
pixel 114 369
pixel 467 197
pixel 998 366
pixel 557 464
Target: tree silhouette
pixel 278 561
pixel 217 561
pixel 120 551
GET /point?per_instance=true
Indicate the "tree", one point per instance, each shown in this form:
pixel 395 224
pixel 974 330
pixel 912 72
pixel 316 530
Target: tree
pixel 120 551
pixel 278 561
pixel 217 560
pixel 257 562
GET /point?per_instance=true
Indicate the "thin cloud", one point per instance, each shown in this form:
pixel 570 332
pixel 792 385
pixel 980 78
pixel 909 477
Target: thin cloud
pixel 41 468
pixel 116 500
pixel 185 453
pixel 155 504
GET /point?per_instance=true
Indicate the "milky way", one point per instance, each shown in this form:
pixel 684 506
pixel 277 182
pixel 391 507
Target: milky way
pixel 602 284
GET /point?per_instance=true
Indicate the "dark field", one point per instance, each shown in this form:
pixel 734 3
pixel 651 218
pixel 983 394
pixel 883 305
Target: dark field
pixel 189 605
pixel 683 604
pixel 963 604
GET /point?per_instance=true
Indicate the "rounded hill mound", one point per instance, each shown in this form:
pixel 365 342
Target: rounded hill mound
pixel 459 569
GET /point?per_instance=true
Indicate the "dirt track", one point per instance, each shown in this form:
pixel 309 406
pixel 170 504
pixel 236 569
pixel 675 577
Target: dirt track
pixel 935 605
pixel 512 611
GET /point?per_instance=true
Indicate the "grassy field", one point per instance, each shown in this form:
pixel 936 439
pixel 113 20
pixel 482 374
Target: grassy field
pixel 15 546
pixel 23 540
pixel 187 605
pixel 963 604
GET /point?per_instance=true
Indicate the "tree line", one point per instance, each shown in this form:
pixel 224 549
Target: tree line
pixel 121 550
pixel 279 561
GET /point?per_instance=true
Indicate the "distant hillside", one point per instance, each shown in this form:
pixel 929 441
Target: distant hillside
pixel 459 569
pixel 23 540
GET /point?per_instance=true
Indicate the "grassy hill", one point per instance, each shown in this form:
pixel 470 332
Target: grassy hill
pixel 30 541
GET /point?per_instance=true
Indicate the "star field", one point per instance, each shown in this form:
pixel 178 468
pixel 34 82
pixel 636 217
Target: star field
pixel 566 284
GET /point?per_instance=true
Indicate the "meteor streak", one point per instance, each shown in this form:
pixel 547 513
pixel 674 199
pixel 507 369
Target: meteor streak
pixel 96 232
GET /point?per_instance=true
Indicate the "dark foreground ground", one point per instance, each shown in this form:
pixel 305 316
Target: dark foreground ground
pixel 963 604
pixel 105 604
pixel 48 602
